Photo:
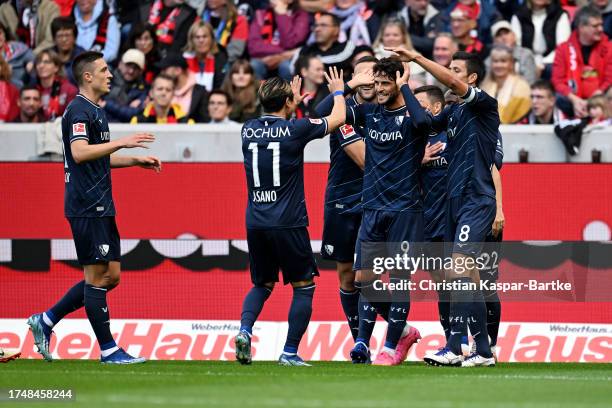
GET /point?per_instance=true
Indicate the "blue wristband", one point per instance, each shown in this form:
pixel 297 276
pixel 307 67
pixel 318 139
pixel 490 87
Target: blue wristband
pixel 339 93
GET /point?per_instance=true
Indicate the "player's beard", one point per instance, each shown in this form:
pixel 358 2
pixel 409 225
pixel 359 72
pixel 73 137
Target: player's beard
pixel 391 99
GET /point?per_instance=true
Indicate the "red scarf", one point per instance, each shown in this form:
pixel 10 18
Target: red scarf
pixel 164 29
pixel 268 26
pixel 151 116
pixel 52 109
pixel 102 33
pixel 476 47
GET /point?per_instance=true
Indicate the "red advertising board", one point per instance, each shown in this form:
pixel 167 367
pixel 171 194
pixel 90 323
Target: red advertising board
pixel 207 201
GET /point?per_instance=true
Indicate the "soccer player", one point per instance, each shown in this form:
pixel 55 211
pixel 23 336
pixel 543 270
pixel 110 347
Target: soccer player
pixel 433 182
pixel 392 208
pixel 342 214
pixel 276 219
pixel 472 129
pixel 491 255
pixel 89 155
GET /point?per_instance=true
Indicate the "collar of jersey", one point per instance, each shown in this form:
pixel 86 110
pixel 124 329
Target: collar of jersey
pixel 270 117
pixel 393 110
pixel 89 100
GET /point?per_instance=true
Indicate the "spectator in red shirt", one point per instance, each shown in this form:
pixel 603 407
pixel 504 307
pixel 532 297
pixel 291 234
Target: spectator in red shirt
pixel 30 106
pixel 56 91
pixel 231 29
pixel 583 64
pixel 8 93
pixel 274 36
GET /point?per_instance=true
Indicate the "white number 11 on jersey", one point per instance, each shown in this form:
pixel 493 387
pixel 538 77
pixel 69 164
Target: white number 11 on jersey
pixel 275 147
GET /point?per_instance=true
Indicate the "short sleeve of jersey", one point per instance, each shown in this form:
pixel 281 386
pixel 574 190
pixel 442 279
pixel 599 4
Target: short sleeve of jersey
pixel 356 115
pixel 480 100
pixel 499 152
pixel 78 126
pixel 309 129
pixel 346 135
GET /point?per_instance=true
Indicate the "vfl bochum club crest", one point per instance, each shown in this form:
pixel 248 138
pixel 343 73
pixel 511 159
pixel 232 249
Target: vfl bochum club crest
pixel 103 249
pixel 399 120
pixel 329 249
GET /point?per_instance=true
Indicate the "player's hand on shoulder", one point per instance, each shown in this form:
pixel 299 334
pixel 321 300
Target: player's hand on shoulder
pixel 335 80
pixel 149 162
pixel 137 140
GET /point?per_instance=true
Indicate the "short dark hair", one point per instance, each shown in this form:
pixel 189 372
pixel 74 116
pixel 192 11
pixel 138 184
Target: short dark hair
pixel 273 94
pixel 583 14
pixel 166 77
pixel 335 19
pixel 217 91
pixel 473 64
pixel 63 23
pixel 367 58
pixel 433 92
pixel 303 62
pixel 82 63
pixel 545 85
pixel 26 88
pixel 389 66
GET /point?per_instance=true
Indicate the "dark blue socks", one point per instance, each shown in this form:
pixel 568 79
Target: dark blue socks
pixel 72 300
pixel 99 318
pixel 493 316
pixel 460 310
pixel 350 306
pixel 299 317
pixel 444 311
pixel 398 313
pixel 252 305
pixel 478 324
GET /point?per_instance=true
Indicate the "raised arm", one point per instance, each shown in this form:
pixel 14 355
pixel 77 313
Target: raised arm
pixel 336 87
pixel 441 73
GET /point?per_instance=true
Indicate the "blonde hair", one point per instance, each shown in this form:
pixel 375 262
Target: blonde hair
pixel 190 47
pixel 394 21
pixel 599 101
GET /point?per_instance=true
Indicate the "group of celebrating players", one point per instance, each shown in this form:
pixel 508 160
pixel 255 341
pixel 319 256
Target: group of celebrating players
pixel 404 169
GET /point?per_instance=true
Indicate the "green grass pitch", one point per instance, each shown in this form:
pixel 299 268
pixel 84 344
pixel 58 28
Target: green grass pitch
pixel 326 384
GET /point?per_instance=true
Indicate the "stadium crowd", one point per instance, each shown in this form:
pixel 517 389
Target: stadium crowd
pixel 200 61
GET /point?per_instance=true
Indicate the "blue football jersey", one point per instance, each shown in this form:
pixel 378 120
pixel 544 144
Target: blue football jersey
pixel 344 178
pixel 88 187
pixel 433 182
pixel 394 150
pixel 472 129
pixel 273 150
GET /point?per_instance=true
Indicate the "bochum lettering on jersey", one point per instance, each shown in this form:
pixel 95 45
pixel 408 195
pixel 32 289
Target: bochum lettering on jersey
pixel 267 132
